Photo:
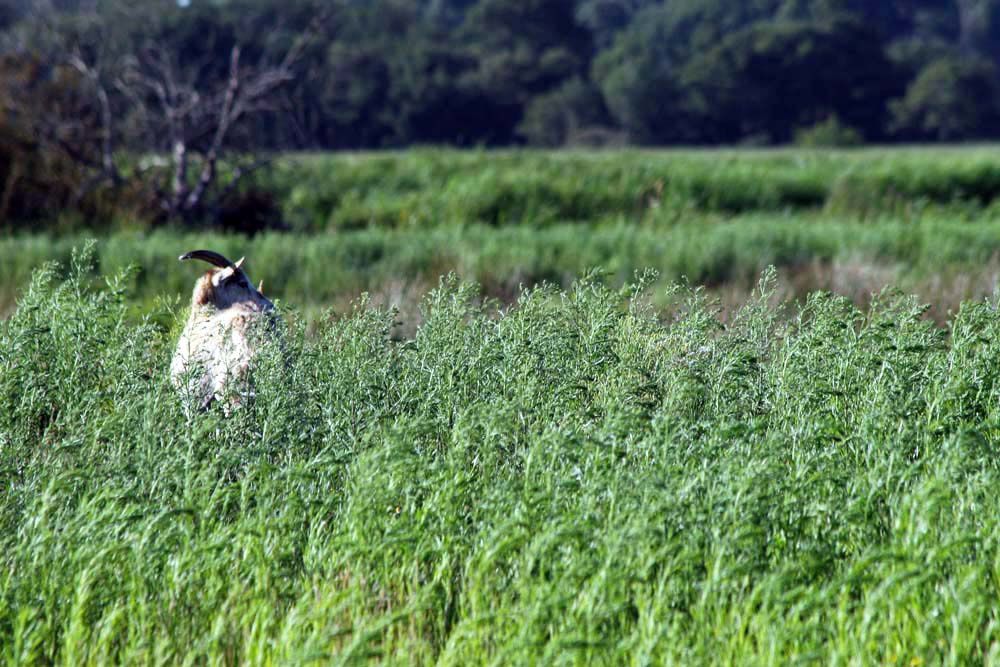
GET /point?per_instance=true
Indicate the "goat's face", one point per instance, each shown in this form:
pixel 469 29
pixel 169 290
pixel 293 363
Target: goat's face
pixel 226 286
pixel 229 287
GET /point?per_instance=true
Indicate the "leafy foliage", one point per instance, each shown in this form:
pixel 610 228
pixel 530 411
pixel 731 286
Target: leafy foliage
pixel 572 114
pixel 40 183
pixel 951 100
pixel 828 133
pixel 744 85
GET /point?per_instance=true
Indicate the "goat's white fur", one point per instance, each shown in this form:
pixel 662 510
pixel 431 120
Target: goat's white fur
pixel 229 321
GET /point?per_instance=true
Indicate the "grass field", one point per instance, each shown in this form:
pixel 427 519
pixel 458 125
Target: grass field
pixel 612 469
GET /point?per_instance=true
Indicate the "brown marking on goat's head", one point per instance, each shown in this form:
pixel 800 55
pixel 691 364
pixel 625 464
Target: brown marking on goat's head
pixel 204 293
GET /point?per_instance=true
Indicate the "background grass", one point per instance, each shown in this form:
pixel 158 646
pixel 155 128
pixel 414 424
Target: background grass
pixel 434 187
pixel 941 256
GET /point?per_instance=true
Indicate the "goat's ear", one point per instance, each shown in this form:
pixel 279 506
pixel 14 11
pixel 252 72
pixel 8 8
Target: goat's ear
pixel 222 275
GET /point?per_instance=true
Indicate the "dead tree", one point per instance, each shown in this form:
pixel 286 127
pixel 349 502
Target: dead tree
pixel 198 122
pixel 170 103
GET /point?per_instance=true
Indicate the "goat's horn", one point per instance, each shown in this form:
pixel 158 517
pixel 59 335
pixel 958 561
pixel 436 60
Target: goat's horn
pixel 213 258
pixel 239 262
pixel 260 288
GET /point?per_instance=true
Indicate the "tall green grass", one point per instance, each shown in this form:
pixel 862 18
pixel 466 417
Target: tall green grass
pixel 439 187
pixel 566 480
pixel 316 271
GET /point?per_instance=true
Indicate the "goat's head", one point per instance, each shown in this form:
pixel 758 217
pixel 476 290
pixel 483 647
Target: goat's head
pixel 226 285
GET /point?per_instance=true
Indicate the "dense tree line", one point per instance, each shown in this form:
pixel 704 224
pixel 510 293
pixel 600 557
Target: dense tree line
pixel 155 111
pixel 384 73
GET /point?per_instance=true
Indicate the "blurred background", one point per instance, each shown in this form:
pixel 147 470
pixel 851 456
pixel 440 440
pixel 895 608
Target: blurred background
pixel 372 145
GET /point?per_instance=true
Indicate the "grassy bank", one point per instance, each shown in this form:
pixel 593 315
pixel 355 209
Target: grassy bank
pixel 942 258
pixel 570 481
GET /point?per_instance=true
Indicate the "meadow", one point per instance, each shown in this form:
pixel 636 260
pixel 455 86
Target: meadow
pixel 612 467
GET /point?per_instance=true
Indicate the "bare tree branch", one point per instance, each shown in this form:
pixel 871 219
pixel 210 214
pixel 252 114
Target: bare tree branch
pixel 104 104
pixel 171 106
pixel 226 118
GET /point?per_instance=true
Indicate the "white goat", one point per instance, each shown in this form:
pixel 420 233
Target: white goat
pixel 229 321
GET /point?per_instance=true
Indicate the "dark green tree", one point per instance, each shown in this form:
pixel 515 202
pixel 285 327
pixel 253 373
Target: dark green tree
pixel 494 72
pixel 953 99
pixel 640 75
pixel 572 113
pixel 606 18
pixel 523 48
pixel 771 78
